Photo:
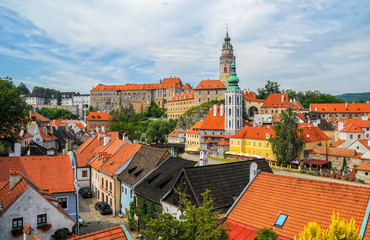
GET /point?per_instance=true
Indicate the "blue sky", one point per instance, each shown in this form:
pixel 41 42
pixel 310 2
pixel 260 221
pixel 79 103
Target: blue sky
pixel 74 45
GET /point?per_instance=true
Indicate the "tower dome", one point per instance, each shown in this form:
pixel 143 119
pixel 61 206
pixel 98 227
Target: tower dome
pixel 233 80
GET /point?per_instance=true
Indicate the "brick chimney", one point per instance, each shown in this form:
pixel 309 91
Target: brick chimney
pixel 14 178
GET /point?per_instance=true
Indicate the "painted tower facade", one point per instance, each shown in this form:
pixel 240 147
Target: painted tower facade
pixel 226 58
pixel 233 104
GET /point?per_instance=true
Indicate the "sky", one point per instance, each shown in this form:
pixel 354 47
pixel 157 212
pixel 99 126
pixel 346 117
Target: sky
pixel 73 45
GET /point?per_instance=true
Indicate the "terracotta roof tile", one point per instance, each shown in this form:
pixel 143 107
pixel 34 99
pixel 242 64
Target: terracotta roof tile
pixel 337 143
pixel 262 133
pixel 99 116
pixel 182 97
pixel 334 151
pixel 210 84
pixel 38 116
pixel 195 129
pixel 312 134
pixel 8 196
pixel 340 107
pixel 281 100
pixel 52 173
pixel 187 86
pixel 106 234
pixel 365 167
pixel 365 142
pixel 214 122
pixel 303 200
pixel 251 96
pixel 352 128
pixel 175 133
pixel 223 143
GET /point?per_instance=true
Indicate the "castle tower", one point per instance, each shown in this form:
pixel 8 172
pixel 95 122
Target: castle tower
pixel 226 58
pixel 233 104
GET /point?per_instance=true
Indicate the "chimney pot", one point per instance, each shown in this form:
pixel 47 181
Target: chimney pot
pixel 14 178
pixel 215 110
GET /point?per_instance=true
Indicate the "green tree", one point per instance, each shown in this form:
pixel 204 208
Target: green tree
pixel 61 234
pixel 196 223
pixel 155 111
pixel 286 145
pixel 344 164
pixel 266 234
pixel 157 131
pixel 13 111
pixel 270 87
pixel 23 88
pixel 339 229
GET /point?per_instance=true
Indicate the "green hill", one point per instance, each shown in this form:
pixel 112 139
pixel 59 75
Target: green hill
pixel 355 97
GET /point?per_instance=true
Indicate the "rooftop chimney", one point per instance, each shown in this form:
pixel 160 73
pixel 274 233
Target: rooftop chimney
pixel 252 171
pixel 282 97
pixel 215 110
pixel 106 140
pixel 14 178
pixel 222 109
pixel 203 160
pixel 346 104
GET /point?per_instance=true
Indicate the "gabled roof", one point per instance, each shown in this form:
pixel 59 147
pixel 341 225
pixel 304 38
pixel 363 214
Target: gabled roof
pixel 340 107
pixel 182 97
pixel 35 116
pixel 187 86
pixel 281 100
pixel 210 84
pixel 52 173
pixel 225 182
pixel 302 200
pixel 251 96
pixel 261 133
pixel 99 116
pixel 162 178
pixel 312 134
pixel 364 167
pixel 301 116
pixel 114 233
pixel 214 122
pixel 112 164
pixel 175 133
pixel 146 159
pixel 365 142
pixel 352 128
pixel 195 129
pixel 325 125
pixel 341 152
pixel 358 122
pixel 223 143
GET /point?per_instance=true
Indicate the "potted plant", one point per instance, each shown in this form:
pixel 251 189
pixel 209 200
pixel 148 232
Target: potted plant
pixel 17 232
pixel 45 227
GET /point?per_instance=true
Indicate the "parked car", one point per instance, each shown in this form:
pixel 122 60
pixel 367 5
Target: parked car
pixel 80 221
pixel 103 208
pixel 85 192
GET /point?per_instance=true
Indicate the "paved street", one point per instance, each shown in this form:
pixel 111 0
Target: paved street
pixel 93 221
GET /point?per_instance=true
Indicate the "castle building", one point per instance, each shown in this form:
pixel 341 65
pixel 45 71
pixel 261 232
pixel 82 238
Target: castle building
pixel 226 59
pixel 233 104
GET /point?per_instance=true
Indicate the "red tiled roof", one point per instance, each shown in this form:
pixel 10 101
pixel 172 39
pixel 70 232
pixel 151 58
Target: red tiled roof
pixel 187 86
pixel 364 167
pixel 251 96
pixel 281 100
pixel 223 143
pixel 262 133
pixel 312 134
pixel 195 129
pixel 214 122
pixel 337 143
pixel 217 136
pixel 38 116
pixel 109 134
pixel 8 196
pixel 301 116
pixel 210 84
pixel 182 97
pixel 351 128
pixel 119 158
pixel 340 107
pixel 334 151
pixel 175 133
pixel 84 145
pixel 99 116
pixel 365 142
pixel 302 200
pixel 49 135
pixel 52 173
pixel 358 122
pixel 315 161
pixel 106 234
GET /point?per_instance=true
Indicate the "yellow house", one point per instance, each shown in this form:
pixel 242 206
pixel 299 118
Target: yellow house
pixel 179 104
pixel 312 136
pixel 192 143
pixel 252 141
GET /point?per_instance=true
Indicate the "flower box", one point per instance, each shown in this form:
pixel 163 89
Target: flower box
pixel 45 227
pixel 17 232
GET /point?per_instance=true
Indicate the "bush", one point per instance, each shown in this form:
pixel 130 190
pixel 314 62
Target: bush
pixel 61 234
pixel 266 234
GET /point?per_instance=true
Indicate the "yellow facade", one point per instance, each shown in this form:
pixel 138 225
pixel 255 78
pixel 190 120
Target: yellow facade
pixel 177 108
pixel 192 142
pixel 251 146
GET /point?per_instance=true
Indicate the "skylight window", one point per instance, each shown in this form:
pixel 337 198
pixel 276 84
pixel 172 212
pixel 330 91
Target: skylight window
pixel 281 220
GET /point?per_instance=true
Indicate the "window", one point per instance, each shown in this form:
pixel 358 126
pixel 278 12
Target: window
pixel 110 186
pixel 350 136
pixel 130 193
pixel 106 198
pixel 62 202
pixel 366 173
pixel 106 184
pixel 358 136
pixel 280 221
pixel 84 173
pixel 17 222
pixel 41 219
pixel 110 201
pixel 102 182
pixel 125 191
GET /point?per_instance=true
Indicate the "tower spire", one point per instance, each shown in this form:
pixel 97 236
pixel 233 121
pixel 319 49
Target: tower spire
pixel 226 58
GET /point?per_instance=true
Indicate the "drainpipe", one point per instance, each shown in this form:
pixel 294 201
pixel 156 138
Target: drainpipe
pixel 365 221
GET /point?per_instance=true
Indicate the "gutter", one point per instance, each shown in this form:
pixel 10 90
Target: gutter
pixel 366 219
pixel 124 229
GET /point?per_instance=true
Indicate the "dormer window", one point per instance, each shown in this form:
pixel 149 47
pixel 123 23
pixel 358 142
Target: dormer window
pixel 281 220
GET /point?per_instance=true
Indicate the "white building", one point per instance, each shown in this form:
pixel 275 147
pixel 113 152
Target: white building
pixel 34 98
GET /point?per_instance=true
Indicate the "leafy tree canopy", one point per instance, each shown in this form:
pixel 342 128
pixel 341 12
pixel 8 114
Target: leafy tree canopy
pixel 157 131
pixel 286 145
pixel 155 111
pixel 196 223
pixel 307 97
pixel 48 93
pixel 266 234
pixel 61 234
pixel 55 113
pixel 23 88
pixel 339 229
pixel 270 87
pixel 13 110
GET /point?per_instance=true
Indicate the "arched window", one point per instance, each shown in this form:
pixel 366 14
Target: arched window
pixel 229 99
pixel 237 100
pixel 229 111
